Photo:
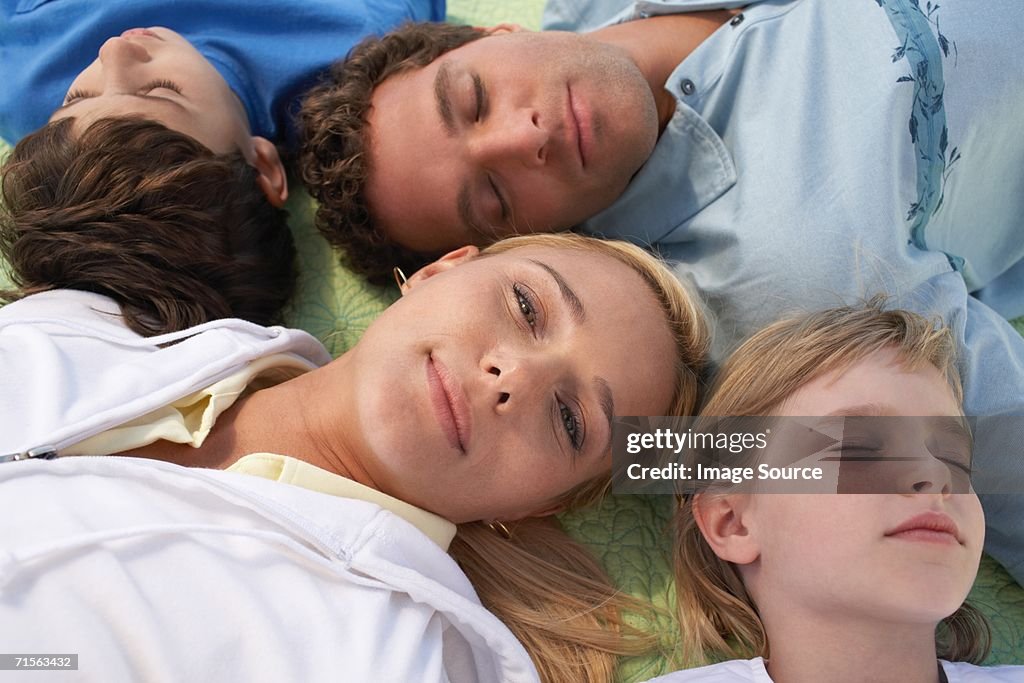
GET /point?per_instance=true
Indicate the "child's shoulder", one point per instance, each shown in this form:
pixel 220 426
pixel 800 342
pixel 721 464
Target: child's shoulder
pixel 754 671
pixel 735 670
pixel 961 672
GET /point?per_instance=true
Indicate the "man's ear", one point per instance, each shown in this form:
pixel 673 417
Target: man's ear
pixel 272 178
pixel 498 29
pixel 722 521
pixel 449 260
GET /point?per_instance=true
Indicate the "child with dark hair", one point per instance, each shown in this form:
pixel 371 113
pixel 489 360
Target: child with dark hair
pixel 192 164
pixel 257 56
pixel 148 216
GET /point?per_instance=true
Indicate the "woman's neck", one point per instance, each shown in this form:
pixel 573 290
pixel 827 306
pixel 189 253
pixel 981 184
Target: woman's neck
pixel 812 647
pixel 304 418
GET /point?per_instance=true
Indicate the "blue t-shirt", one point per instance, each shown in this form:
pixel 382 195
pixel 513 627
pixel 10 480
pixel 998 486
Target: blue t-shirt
pixel 269 51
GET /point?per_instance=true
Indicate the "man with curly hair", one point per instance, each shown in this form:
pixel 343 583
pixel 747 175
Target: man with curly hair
pixel 797 154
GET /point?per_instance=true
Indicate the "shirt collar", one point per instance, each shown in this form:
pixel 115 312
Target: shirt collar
pixel 689 169
pixel 691 166
pixel 297 472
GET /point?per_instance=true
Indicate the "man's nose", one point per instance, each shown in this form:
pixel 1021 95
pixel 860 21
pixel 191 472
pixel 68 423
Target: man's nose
pixel 514 138
pixel 120 57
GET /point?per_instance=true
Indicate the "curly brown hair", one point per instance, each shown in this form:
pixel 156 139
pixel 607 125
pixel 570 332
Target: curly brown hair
pixel 128 208
pixel 333 162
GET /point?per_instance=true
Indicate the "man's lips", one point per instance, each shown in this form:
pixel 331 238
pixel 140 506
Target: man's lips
pixel 449 403
pixel 933 527
pixel 579 118
pixel 140 32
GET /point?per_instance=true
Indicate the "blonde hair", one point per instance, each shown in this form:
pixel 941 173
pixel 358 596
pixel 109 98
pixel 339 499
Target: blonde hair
pixel 716 613
pixel 547 588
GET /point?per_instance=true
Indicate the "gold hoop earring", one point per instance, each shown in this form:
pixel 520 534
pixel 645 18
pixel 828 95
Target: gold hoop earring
pixel 500 529
pixel 400 277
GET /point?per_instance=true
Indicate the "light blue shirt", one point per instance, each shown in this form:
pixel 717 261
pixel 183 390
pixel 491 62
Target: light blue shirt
pixel 822 152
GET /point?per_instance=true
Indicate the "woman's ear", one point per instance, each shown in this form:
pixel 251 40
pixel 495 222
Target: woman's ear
pixel 723 521
pixel 272 178
pixel 446 262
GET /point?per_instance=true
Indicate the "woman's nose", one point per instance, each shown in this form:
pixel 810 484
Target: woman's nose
pixel 518 381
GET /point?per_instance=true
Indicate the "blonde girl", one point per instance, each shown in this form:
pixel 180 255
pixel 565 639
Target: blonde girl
pixel 857 587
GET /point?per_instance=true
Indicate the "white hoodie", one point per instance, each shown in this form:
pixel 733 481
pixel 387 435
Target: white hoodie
pixel 154 572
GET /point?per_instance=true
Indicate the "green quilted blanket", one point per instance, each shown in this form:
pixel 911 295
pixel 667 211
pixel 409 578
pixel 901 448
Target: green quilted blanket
pixel 626 532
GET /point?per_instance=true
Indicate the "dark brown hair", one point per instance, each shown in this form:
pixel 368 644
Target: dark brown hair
pixel 333 161
pixel 175 234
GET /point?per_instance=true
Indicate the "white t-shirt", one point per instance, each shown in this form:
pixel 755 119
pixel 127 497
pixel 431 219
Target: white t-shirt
pixel 754 671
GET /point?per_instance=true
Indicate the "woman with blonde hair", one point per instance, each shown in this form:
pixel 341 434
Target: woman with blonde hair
pixel 270 515
pixel 868 585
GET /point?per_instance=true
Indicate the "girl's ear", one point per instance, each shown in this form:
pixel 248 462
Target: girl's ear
pixel 449 260
pixel 722 520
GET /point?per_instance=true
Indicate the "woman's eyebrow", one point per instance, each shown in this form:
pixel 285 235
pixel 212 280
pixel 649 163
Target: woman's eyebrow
pixel 576 310
pixel 607 401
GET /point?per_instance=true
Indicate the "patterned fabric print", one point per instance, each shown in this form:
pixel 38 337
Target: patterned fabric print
pixel 924 52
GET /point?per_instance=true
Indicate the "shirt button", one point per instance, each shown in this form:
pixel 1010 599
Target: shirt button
pixel 687 86
pixel 645 15
pixel 737 20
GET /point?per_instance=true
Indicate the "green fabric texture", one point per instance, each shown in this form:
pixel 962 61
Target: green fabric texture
pixel 526 13
pixel 331 302
pixel 627 533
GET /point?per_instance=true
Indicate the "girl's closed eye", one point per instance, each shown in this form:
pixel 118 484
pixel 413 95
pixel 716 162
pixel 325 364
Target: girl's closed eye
pixel 854 449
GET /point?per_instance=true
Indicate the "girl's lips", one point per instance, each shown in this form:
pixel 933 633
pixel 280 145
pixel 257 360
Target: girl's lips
pixel 932 527
pixel 449 403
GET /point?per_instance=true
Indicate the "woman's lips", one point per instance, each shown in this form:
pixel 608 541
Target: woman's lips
pixel 449 403
pixel 930 527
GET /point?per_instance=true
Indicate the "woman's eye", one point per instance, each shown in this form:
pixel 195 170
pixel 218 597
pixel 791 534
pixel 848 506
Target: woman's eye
pixel 526 306
pixel 572 425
